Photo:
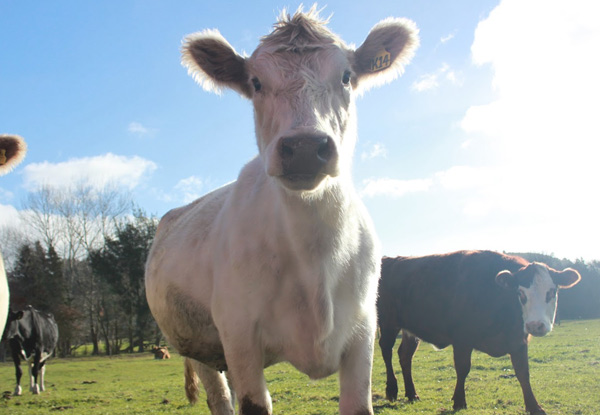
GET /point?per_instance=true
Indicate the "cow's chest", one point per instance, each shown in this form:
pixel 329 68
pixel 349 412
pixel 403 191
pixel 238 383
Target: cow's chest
pixel 299 304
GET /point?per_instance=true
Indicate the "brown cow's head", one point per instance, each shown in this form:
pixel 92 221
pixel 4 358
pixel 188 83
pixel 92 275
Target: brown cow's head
pixel 12 152
pixel 302 80
pixel 537 285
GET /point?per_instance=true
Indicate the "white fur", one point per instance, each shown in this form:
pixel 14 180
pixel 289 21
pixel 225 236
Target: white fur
pixel 4 296
pixel 286 274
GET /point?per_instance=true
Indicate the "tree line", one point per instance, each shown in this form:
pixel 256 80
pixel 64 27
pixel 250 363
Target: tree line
pixel 82 258
pixel 85 265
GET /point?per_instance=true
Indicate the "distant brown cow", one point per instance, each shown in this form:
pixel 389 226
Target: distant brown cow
pixel 161 352
pixel 479 300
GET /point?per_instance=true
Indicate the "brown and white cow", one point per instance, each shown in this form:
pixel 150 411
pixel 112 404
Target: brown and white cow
pixel 282 264
pixel 479 300
pixel 12 152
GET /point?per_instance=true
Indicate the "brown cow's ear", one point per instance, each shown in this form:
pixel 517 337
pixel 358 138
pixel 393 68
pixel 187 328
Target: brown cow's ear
pixel 388 48
pixel 565 278
pixel 506 279
pixel 12 152
pixel 214 64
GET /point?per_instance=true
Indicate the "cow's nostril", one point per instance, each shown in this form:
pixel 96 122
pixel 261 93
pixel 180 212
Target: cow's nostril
pixel 324 150
pixel 287 152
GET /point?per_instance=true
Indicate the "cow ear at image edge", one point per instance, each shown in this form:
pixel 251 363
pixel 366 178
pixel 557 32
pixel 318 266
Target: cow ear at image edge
pixel 388 48
pixel 12 152
pixel 213 63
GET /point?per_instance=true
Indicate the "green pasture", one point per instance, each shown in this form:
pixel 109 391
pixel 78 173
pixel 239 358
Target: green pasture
pixel 565 369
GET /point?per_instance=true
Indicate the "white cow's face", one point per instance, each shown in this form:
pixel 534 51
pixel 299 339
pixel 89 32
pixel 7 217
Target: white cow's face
pixel 304 114
pixel 302 80
pixel 537 287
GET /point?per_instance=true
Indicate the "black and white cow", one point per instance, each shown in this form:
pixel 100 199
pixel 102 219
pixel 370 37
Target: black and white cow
pixel 32 336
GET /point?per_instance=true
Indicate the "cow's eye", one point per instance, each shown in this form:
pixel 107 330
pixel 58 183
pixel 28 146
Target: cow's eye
pixel 522 297
pixel 550 295
pixel 346 78
pixel 256 83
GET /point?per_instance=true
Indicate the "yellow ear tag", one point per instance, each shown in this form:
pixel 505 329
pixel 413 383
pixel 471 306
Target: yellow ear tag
pixel 2 156
pixel 381 61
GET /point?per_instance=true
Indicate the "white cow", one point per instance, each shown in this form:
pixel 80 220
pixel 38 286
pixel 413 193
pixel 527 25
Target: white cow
pixel 283 264
pixel 12 152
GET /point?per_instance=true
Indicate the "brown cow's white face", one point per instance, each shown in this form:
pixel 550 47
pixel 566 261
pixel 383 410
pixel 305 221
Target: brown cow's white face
pixel 537 286
pixel 302 80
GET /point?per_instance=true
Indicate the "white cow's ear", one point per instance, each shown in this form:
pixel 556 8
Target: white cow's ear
pixel 565 278
pixel 214 63
pixel 12 152
pixel 506 279
pixel 385 52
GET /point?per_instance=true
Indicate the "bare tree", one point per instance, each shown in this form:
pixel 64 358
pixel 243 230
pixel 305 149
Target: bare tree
pixel 76 221
pixel 12 238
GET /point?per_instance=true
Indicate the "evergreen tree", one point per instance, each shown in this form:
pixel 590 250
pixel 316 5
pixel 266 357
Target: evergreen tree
pixel 121 265
pixel 26 279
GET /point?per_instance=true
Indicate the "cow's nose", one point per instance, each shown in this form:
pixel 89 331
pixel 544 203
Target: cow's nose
pixel 305 155
pixel 537 328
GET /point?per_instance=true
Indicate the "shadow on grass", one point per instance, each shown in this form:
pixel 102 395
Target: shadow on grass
pixel 380 403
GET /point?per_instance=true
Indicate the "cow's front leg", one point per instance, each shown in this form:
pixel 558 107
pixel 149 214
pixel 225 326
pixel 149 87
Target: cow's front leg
pixel 18 374
pixel 386 344
pixel 355 373
pixel 520 363
pixel 245 364
pixel 462 365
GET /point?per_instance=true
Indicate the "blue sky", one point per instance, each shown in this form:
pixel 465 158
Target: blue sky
pixel 488 141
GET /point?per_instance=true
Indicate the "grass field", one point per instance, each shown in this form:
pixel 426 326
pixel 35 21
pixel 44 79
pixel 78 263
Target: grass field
pixel 565 371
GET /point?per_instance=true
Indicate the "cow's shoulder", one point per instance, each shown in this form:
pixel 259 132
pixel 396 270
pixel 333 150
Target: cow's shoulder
pixel 197 215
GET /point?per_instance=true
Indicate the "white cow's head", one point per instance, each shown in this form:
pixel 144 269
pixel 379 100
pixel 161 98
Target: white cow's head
pixel 302 80
pixel 12 152
pixel 537 286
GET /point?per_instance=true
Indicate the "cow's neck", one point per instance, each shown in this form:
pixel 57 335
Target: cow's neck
pixel 327 206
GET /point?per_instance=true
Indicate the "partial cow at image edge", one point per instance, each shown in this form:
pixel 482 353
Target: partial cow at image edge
pixel 12 152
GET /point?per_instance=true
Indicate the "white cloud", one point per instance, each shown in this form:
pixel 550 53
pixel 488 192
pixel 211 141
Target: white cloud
pixel 393 187
pixel 542 127
pixel 9 215
pixel 447 38
pixel 190 188
pixel 140 130
pixel 426 82
pixel 462 177
pixel 5 194
pixel 432 80
pixel 545 75
pixel 98 171
pixel 375 150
